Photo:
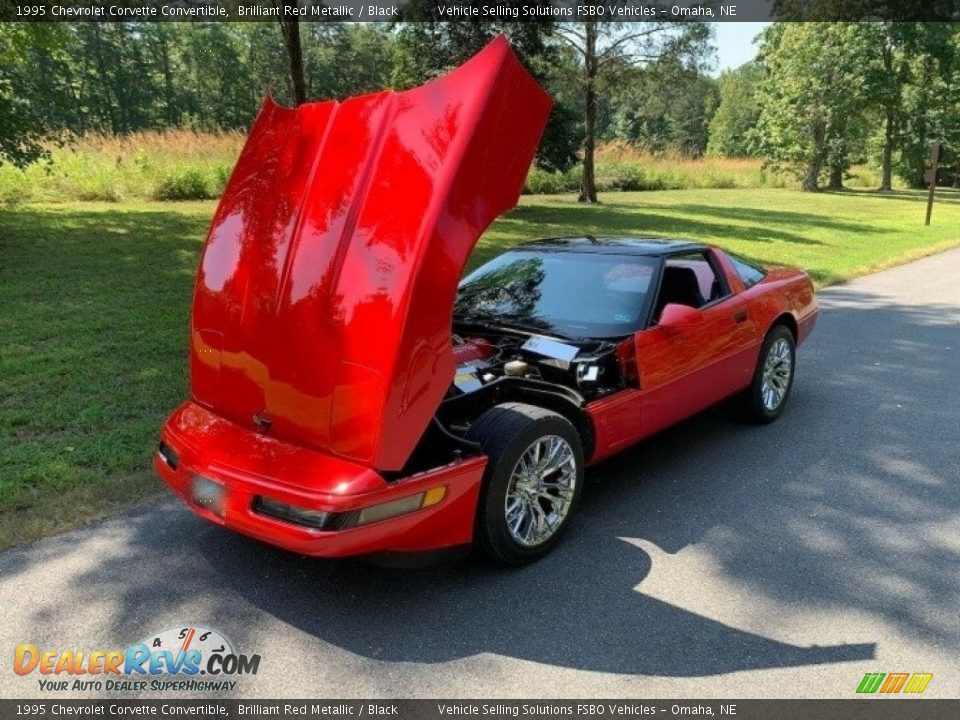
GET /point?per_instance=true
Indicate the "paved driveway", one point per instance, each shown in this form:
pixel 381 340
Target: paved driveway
pixel 714 560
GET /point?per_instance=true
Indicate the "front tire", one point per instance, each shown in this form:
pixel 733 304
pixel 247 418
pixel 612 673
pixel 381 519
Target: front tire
pixel 772 382
pixel 532 482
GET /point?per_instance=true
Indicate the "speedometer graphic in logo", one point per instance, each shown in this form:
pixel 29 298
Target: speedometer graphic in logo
pixel 194 637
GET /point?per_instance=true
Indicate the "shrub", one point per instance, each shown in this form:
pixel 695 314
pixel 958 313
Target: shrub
pixel 718 179
pixel 635 177
pixel 142 160
pixel 186 184
pixel 221 174
pixel 544 182
pixel 13 188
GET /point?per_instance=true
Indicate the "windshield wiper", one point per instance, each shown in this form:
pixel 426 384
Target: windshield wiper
pixel 537 326
pixel 472 318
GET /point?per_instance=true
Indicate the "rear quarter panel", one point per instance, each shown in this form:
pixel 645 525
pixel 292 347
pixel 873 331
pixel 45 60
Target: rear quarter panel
pixel 784 291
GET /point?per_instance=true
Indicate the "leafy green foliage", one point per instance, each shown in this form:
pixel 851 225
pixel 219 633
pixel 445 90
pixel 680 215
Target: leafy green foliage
pixel 737 112
pixel 929 110
pixel 833 94
pixel 663 106
pixel 188 184
pixel 813 96
pixel 23 76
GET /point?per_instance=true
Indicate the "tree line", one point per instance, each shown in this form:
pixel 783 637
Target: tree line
pixel 818 98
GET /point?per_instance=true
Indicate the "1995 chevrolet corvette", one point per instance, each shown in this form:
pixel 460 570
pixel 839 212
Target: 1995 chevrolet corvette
pixel 350 395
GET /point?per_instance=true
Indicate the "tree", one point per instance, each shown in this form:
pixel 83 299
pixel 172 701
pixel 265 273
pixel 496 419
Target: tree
pixel 907 53
pixel 663 106
pixel 929 108
pixel 221 74
pixel 365 48
pixel 888 83
pixel 812 97
pixel 604 47
pixel 30 55
pixel 290 26
pixel 738 111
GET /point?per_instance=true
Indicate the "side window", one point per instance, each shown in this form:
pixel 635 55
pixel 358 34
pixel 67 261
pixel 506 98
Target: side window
pixel 748 272
pixel 689 279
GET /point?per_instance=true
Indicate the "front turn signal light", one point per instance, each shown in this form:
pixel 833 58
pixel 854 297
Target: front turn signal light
pixel 394 508
pixel 433 496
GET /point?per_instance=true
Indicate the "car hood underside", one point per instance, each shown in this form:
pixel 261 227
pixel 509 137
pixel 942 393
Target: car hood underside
pixel 325 291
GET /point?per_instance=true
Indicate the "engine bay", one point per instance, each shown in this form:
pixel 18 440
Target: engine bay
pixel 496 365
pixel 591 368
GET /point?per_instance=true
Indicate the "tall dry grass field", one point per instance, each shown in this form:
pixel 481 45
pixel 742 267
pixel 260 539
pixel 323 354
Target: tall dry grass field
pixel 189 165
pixel 622 166
pixel 139 165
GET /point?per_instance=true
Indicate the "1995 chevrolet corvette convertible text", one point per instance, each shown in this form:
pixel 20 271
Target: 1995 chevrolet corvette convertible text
pixel 349 395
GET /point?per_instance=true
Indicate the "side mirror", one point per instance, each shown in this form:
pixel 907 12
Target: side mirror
pixel 677 317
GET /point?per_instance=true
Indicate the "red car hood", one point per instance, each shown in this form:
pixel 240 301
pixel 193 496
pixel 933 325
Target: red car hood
pixel 322 311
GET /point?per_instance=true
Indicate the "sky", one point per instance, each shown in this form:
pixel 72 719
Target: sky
pixel 734 41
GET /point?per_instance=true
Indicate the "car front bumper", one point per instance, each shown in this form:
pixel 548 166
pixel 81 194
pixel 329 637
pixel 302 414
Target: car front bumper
pixel 243 466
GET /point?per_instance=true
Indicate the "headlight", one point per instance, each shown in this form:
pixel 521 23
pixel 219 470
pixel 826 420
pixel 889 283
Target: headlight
pixel 292 513
pixel 169 455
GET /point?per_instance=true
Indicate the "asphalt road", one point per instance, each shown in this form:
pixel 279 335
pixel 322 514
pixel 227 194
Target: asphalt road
pixel 716 560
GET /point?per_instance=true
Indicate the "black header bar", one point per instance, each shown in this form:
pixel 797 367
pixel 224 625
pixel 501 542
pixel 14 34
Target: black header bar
pixel 853 709
pixel 487 10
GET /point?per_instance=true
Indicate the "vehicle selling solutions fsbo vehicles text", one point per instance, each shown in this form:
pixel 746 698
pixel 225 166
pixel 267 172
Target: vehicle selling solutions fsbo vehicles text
pixel 610 12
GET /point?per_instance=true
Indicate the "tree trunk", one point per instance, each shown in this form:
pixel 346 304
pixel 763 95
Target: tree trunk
pixel 172 114
pixel 836 177
pixel 290 26
pixel 811 177
pixel 104 78
pixel 886 181
pixel 588 183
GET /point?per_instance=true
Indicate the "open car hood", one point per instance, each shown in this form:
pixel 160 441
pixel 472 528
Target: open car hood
pixel 324 299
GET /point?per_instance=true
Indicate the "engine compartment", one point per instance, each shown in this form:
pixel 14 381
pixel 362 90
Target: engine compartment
pixel 496 365
pixel 590 368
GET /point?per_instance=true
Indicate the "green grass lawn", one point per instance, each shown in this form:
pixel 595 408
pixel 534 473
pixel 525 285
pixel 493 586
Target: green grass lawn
pixel 95 300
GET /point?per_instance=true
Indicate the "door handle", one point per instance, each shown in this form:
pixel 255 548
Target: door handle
pixel 740 316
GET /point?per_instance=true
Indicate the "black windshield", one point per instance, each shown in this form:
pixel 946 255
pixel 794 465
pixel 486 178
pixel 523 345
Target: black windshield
pixel 580 295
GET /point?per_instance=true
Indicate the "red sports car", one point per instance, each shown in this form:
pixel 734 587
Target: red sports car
pixel 350 396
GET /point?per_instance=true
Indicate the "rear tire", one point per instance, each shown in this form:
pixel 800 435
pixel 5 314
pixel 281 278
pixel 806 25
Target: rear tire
pixel 764 401
pixel 532 482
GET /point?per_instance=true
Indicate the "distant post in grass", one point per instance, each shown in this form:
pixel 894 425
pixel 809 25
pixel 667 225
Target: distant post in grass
pixel 931 177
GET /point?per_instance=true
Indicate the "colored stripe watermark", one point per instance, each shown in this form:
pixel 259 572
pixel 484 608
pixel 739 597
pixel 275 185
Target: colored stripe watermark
pixel 894 683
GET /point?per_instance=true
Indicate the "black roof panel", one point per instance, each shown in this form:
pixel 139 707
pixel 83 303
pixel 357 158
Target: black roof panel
pixel 612 245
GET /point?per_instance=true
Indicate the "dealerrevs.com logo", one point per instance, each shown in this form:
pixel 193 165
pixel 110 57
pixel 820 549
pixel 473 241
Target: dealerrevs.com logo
pixel 185 659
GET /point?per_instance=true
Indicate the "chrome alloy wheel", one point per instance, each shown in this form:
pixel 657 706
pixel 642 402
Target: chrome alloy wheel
pixel 777 373
pixel 541 490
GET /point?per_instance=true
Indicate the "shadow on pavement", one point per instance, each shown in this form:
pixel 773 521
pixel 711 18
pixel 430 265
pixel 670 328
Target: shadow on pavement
pixel 844 505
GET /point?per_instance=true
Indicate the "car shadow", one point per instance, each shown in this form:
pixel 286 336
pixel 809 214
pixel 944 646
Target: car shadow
pixel 577 608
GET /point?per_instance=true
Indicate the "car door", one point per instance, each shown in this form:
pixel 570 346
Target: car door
pixel 686 369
